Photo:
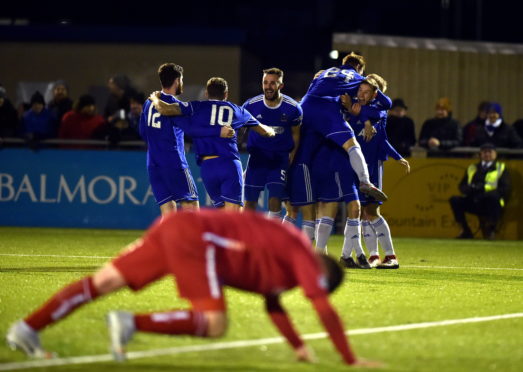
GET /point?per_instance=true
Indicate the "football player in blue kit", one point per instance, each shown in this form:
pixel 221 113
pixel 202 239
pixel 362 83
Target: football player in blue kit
pixel 219 159
pixel 269 157
pixel 169 174
pixel 376 149
pixel 324 116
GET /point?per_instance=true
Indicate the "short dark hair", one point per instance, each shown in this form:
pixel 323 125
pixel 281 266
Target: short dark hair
pixel 273 71
pixel 168 73
pixel 84 100
pixel 217 88
pixel 334 272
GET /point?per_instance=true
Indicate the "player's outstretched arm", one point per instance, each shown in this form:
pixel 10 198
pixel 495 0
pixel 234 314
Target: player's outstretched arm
pixel 283 323
pixel 166 109
pixel 264 130
pixel 332 323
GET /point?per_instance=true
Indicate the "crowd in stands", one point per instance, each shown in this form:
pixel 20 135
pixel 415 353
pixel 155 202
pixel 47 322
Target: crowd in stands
pixel 64 118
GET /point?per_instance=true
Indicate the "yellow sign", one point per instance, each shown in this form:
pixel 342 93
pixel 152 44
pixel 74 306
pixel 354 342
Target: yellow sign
pixel 419 206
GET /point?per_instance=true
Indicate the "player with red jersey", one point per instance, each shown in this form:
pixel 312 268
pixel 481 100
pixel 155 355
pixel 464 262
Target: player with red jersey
pixel 204 251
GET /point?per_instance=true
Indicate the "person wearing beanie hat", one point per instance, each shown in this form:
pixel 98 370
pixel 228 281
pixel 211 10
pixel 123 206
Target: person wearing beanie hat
pixel 485 187
pixel 82 122
pixel 496 131
pixel 37 122
pixel 441 132
pixel 400 128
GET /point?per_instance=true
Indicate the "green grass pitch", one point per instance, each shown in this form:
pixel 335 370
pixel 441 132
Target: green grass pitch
pixel 438 280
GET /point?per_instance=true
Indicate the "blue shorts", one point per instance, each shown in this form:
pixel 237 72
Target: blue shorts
pixel 325 117
pixel 266 170
pixel 172 184
pixel 333 177
pixel 376 177
pixel 223 180
pixel 299 185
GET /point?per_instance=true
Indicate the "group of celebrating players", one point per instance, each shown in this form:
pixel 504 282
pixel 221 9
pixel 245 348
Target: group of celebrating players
pixel 305 153
pixel 313 155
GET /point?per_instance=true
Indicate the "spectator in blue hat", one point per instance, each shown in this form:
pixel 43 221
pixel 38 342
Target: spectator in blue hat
pixel 496 130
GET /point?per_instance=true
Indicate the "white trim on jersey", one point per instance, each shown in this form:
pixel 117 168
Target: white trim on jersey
pixel 212 277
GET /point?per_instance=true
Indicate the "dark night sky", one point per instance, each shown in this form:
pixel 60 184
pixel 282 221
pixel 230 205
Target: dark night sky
pixel 298 29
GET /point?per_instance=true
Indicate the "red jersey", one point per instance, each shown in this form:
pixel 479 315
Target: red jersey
pixel 242 250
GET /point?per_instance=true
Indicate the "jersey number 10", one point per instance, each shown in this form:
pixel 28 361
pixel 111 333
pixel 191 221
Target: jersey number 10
pixel 219 113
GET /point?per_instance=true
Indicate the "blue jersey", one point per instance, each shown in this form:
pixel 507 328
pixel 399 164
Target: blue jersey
pixel 281 118
pixel 214 114
pixel 336 81
pixel 164 139
pixel 378 148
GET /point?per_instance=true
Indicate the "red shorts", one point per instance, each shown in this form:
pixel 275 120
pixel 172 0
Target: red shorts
pixel 181 253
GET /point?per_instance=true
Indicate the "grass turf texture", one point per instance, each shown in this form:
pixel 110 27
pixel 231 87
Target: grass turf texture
pixel 367 299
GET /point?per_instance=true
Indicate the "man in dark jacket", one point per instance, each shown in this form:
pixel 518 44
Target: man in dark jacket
pixel 496 130
pixel 485 188
pixel 400 128
pixel 441 132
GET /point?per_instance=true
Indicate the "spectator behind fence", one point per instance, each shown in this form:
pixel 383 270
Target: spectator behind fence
pixel 496 130
pixel 8 116
pixel 441 132
pixel 470 130
pixel 82 121
pixel 118 103
pixel 400 128
pixel 485 188
pixel 60 103
pixel 37 122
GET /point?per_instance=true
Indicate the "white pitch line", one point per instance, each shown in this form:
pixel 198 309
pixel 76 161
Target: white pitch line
pixel 242 343
pixel 408 266
pixel 458 267
pixel 51 255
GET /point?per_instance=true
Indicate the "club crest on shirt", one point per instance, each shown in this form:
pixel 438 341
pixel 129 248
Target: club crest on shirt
pixel 284 117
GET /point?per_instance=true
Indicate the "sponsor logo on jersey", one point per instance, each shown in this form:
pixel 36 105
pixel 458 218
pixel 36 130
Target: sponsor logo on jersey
pixel 259 116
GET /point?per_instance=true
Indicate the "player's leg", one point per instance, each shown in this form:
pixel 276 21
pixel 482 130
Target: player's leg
pixel 231 187
pixel 161 189
pixel 369 237
pixel 327 212
pixel 23 335
pixel 357 162
pixel 255 179
pixel 167 208
pixel 352 237
pixel 382 229
pixel 184 189
pixel 308 213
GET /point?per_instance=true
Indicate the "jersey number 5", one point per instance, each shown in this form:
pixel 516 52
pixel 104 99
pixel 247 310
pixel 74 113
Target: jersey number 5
pixel 219 113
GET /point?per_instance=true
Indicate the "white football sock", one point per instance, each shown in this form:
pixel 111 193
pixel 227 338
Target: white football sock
pixel 324 232
pixel 383 233
pixel 358 164
pixel 289 220
pixel 308 227
pixel 274 215
pixel 352 239
pixel 370 238
pixel 316 224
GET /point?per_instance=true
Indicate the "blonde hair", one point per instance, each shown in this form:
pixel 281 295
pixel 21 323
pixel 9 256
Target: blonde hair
pixel 354 60
pixel 378 81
